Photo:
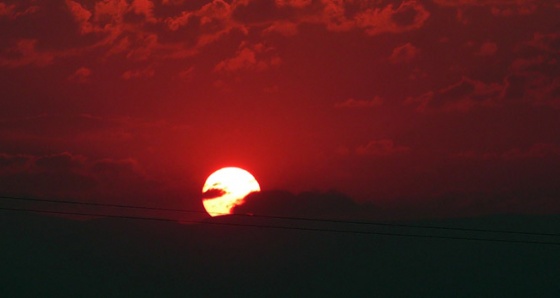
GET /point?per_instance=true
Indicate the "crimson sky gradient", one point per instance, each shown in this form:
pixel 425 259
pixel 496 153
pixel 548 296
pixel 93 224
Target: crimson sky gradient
pixel 447 107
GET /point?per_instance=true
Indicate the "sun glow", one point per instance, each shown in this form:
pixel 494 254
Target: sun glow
pixel 227 188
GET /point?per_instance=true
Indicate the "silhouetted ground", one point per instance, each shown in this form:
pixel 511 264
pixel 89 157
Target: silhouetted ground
pixel 47 256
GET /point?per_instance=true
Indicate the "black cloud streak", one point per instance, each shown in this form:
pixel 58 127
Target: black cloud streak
pixel 213 193
pixel 306 204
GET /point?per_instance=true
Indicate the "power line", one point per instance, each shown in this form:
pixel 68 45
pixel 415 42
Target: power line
pixel 307 219
pixel 511 241
pixel 99 204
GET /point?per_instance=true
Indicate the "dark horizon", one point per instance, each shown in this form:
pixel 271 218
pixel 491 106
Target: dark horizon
pixel 50 256
pixel 330 204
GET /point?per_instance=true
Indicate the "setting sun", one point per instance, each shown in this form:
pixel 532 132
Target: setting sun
pixel 226 188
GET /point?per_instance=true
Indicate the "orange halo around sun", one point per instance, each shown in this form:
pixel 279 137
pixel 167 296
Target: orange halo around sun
pixel 226 188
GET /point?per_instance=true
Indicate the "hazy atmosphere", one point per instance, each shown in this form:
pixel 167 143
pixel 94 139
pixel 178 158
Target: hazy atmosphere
pixel 431 112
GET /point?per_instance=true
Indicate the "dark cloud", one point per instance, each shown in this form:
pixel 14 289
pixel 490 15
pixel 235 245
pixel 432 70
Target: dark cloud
pixel 535 151
pixel 283 28
pixel 114 28
pixel 456 203
pixel 487 49
pixel 18 9
pixel 25 53
pixel 494 4
pixel 382 147
pixel 213 193
pixel 81 75
pixel 138 74
pixel 404 53
pixel 409 15
pixel 81 15
pixel 59 175
pixel 256 57
pixel 533 74
pixel 462 96
pixel 140 30
pixel 82 128
pixel 144 8
pixel 293 3
pixel 357 103
pixel 64 162
pixel 541 150
pixel 117 169
pixel 305 204
pixel 514 88
pixel 76 177
pixel 56 125
pixel 258 12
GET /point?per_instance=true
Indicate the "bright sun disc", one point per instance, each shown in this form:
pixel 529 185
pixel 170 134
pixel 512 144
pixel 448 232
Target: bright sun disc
pixel 226 188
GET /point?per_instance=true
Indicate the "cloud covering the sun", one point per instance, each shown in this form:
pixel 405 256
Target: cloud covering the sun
pixel 305 205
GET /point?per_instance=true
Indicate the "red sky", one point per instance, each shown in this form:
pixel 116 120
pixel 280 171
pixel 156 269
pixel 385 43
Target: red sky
pixel 447 104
